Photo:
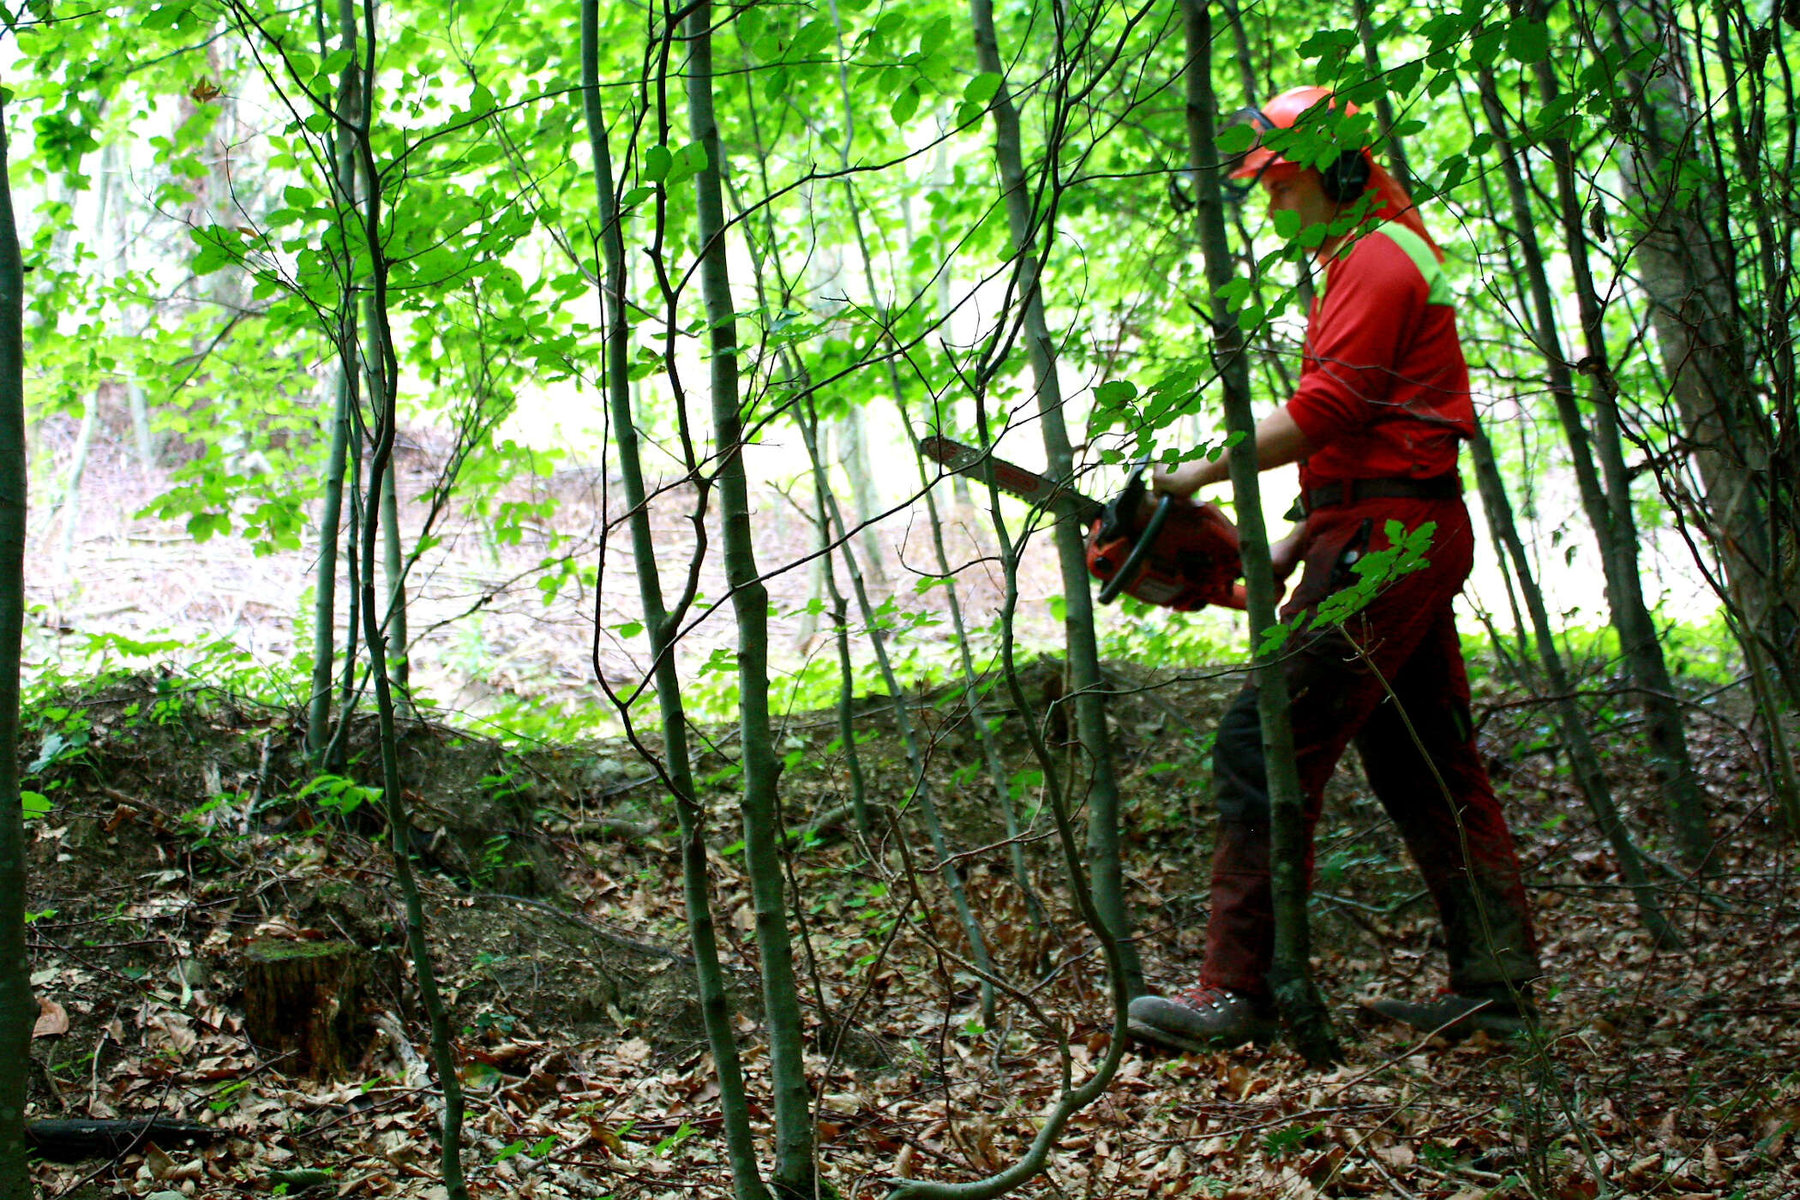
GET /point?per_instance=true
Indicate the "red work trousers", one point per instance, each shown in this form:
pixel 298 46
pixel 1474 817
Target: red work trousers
pixel 1453 829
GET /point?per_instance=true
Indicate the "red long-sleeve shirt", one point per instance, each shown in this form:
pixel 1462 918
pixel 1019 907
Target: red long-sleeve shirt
pixel 1384 388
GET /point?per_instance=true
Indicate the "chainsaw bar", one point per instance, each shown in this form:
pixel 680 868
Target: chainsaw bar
pixel 1014 480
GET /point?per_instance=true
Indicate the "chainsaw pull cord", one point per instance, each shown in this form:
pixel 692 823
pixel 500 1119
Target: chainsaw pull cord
pixel 1147 539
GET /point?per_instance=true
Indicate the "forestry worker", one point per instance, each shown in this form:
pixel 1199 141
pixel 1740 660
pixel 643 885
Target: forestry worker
pixel 1375 424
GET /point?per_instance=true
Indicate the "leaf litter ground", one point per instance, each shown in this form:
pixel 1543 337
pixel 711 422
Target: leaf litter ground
pixel 175 840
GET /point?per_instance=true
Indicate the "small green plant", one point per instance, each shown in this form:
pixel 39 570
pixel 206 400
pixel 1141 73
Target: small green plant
pixel 674 1140
pixel 1284 1141
pixel 226 1098
pixel 338 795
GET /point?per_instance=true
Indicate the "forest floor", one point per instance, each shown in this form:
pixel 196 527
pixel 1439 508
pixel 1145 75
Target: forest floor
pixel 181 837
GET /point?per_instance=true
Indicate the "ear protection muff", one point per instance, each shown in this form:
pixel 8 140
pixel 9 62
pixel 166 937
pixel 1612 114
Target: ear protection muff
pixel 1343 179
pixel 1346 177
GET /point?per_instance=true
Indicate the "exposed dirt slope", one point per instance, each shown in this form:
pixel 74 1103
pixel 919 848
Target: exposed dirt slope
pixel 177 837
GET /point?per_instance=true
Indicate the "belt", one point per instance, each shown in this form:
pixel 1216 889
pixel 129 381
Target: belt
pixel 1349 491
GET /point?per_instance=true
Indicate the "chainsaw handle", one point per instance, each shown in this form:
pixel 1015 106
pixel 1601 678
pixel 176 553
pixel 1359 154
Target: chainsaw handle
pixel 1122 579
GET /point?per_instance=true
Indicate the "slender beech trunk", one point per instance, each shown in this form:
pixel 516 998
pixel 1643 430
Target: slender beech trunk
pixel 795 1171
pixel 353 607
pixel 909 734
pixel 984 732
pixel 1088 689
pixel 69 509
pixel 1290 976
pixel 846 703
pixel 331 519
pixel 385 395
pixel 393 570
pixel 345 398
pixel 393 558
pixel 1582 757
pixel 853 453
pixel 808 624
pixel 1384 104
pixel 661 625
pixel 68 506
pixel 18 1011
pixel 1072 1097
pixel 1242 54
pixel 1607 501
pixel 827 589
pixel 139 406
pixel 1681 258
pixel 978 718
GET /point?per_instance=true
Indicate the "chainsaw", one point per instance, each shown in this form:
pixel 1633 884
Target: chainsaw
pixel 1183 555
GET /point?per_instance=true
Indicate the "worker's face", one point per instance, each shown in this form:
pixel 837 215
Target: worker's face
pixel 1301 193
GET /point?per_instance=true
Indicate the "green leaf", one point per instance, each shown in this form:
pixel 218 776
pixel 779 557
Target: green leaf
pixel 35 804
pixel 1327 42
pixel 1528 41
pixel 631 629
pixel 1405 77
pixel 1236 139
pixel 1485 48
pixel 1116 391
pixel 812 38
pixel 983 88
pixel 905 105
pixel 657 161
pixel 775 84
pixel 1273 639
pixel 935 35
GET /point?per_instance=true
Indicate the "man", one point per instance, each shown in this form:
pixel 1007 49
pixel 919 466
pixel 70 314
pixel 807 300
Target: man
pixel 1375 423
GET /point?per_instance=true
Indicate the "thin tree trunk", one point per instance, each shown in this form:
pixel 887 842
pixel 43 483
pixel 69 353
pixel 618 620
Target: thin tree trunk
pixel 139 407
pixel 1384 104
pixel 715 1008
pixel 1244 57
pixel 846 704
pixel 393 570
pixel 385 395
pixel 1582 757
pixel 853 454
pixel 69 509
pixel 1071 1097
pixel 984 733
pixel 815 570
pixel 344 402
pixel 1290 975
pixel 393 559
pixel 978 719
pixel 17 1009
pixel 1607 501
pixel 1088 688
pixel 795 1171
pixel 1681 260
pixel 909 736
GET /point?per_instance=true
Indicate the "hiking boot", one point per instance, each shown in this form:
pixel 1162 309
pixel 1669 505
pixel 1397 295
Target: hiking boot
pixel 1201 1018
pixel 1454 1016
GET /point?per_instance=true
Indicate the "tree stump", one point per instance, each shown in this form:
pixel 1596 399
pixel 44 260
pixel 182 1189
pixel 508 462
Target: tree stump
pixel 305 998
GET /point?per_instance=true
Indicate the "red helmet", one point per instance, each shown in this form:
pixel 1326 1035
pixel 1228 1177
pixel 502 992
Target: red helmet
pixel 1282 112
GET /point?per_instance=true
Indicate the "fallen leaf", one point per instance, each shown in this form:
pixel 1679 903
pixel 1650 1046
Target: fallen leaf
pixel 52 1020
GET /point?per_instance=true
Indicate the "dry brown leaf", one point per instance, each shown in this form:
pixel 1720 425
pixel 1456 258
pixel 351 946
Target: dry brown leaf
pixel 53 1020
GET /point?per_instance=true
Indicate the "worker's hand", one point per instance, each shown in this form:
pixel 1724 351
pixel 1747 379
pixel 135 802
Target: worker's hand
pixel 1284 555
pixel 1183 479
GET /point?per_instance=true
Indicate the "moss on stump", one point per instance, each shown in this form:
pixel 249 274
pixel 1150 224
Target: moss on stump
pixel 305 999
